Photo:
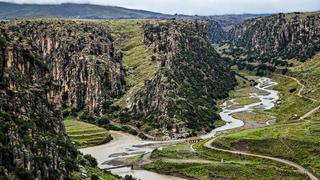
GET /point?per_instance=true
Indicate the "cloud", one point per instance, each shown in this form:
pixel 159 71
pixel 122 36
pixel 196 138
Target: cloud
pixel 201 7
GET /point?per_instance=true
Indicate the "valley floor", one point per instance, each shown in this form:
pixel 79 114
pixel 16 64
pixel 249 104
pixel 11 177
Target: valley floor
pixel 293 140
pixel 272 144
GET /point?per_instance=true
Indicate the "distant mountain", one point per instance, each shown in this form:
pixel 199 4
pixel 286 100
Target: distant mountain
pixel 70 10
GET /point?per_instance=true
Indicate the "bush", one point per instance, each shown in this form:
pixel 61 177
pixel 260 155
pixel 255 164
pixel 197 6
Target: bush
pixel 142 136
pixel 103 121
pixel 112 127
pixel 129 177
pixel 74 112
pixel 133 132
pixel 93 162
pixel 24 174
pixel 124 117
pixel 94 177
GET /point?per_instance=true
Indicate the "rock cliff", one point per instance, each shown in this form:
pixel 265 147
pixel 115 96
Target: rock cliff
pixel 182 94
pixel 283 35
pixel 33 143
pixel 216 34
pixel 79 56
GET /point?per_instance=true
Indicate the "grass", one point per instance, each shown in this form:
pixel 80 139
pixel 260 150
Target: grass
pixel 232 166
pixel 298 142
pixel 251 116
pixel 175 151
pixel 219 123
pixel 136 158
pixel 102 174
pixel 246 101
pixel 241 101
pixel 224 170
pixel 246 91
pixel 309 72
pixel 290 106
pixel 85 134
pixel 137 58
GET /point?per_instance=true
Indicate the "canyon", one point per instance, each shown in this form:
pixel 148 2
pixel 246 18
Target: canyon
pixel 159 79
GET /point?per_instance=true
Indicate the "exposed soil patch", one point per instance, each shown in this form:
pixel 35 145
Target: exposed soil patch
pixel 241 146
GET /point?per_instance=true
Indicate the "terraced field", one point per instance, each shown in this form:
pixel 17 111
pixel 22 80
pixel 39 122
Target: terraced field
pixel 85 134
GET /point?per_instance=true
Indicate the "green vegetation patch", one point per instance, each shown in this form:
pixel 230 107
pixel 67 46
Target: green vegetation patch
pixel 219 123
pixel 224 165
pixel 298 142
pixel 174 151
pixel 309 72
pixel 246 101
pixel 242 101
pixel 227 170
pixel 136 158
pixel 139 60
pixel 251 116
pixel 85 134
pixel 290 105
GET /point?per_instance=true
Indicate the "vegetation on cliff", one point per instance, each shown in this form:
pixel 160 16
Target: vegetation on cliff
pixel 33 141
pixel 271 38
pixel 182 93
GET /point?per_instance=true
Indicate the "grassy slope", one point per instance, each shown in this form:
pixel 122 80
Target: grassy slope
pixel 309 72
pixel 8 10
pixel 137 57
pixel 291 106
pixel 232 166
pixel 298 141
pixel 252 116
pixel 85 134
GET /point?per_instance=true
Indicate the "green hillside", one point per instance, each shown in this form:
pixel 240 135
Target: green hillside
pixel 70 10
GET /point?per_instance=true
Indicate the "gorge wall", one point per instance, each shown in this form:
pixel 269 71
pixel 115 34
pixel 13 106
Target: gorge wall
pixel 33 143
pixel 295 35
pixel 80 58
pixel 182 94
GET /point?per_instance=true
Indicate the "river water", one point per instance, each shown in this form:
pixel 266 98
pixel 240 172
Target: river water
pixel 125 145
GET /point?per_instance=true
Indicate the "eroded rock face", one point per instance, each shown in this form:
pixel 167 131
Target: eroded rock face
pixel 44 65
pixel 283 35
pixel 80 57
pixel 181 95
pixel 33 143
pixel 216 34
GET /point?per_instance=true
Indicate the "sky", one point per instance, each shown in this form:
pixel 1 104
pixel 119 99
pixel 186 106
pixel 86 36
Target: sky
pixel 200 7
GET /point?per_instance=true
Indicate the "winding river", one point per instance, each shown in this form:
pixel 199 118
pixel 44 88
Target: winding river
pixel 125 145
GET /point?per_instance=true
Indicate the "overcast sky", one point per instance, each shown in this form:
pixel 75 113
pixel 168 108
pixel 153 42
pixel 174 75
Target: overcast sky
pixel 201 7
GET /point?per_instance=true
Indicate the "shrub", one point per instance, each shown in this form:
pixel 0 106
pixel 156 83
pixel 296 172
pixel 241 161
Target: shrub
pixel 103 121
pixel 93 162
pixel 142 136
pixel 94 177
pixel 129 177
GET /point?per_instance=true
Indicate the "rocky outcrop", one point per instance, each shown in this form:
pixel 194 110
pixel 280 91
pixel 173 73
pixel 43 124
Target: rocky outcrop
pixel 182 93
pixel 79 56
pixel 216 34
pixel 32 137
pixel 283 35
pixel 46 66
